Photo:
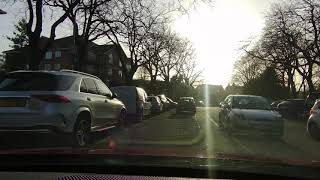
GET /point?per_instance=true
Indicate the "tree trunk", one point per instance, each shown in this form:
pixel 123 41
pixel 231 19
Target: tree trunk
pixel 129 78
pixel 291 84
pixel 35 55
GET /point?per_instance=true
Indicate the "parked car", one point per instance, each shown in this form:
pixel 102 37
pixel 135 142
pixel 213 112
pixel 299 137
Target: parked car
pixel 248 113
pixel 156 104
pixel 274 104
pixel 186 104
pixel 173 104
pixel 164 101
pixel 313 125
pixel 135 100
pixel 311 99
pixel 67 102
pixel 200 104
pixel 293 109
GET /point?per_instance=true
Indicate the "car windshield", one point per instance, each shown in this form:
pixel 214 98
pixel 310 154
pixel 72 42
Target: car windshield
pixel 192 81
pixel 250 103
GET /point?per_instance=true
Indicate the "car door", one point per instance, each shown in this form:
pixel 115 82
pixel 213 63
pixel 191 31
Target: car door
pixel 96 101
pixel 110 106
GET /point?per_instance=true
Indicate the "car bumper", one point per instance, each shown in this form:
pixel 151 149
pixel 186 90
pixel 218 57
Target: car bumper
pixel 33 123
pixel 268 128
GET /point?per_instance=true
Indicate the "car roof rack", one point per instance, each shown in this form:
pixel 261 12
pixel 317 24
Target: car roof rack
pixel 78 72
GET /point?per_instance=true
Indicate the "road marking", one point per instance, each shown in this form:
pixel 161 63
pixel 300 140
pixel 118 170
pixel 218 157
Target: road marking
pixel 214 122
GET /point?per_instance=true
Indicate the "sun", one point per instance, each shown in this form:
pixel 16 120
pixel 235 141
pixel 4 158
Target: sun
pixel 217 33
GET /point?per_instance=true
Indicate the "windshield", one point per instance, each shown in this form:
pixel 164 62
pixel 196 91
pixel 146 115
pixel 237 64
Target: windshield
pixel 196 79
pixel 251 103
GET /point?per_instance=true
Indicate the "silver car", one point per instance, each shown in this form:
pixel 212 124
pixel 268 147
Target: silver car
pixel 247 113
pixel 313 125
pixel 66 101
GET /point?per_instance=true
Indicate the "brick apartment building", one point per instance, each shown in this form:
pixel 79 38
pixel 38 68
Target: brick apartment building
pixel 103 60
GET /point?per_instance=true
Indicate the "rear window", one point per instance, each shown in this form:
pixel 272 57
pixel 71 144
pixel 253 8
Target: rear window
pixel 36 82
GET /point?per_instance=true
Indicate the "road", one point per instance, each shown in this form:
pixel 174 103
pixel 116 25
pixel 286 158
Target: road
pixel 192 135
pixel 200 135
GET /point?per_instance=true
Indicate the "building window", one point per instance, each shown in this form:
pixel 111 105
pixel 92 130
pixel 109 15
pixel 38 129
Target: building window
pixel 110 72
pixel 57 67
pixel 120 64
pixel 47 67
pixel 57 54
pixel 120 73
pixel 48 55
pixel 110 59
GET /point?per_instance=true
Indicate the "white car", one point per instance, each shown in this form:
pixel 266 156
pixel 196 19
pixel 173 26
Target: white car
pixel 248 113
pixel 66 102
pixel 313 125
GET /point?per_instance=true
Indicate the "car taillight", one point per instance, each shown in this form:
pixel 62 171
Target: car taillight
pixel 52 98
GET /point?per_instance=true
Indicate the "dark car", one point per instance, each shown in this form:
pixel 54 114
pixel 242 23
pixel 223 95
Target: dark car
pixel 186 104
pixel 173 104
pixel 293 108
pixel 274 104
pixel 311 99
pixel 156 104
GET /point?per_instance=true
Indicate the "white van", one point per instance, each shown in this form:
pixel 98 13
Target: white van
pixel 135 100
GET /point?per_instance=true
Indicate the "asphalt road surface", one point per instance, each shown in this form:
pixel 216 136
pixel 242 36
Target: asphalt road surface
pixel 193 135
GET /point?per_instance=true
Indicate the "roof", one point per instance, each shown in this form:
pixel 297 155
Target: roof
pixel 102 48
pixel 69 73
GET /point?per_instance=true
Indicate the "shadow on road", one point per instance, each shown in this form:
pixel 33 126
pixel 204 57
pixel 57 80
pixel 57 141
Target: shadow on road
pixel 181 116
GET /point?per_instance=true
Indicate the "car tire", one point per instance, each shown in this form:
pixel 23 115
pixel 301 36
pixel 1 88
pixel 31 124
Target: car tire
pixel 122 122
pixel 81 135
pixel 313 130
pixel 228 127
pixel 220 121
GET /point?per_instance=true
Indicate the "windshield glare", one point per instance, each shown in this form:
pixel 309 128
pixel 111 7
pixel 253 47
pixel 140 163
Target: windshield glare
pixel 251 103
pixel 197 79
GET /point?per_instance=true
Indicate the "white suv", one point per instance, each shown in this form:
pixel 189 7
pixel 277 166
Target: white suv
pixel 64 101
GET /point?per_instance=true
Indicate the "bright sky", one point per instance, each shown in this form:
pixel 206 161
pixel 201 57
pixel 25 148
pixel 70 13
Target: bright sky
pixel 216 32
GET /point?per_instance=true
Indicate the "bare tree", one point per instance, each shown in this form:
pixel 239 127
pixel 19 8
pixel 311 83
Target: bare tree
pixel 87 24
pixel 246 69
pixel 138 21
pixel 290 42
pixel 34 27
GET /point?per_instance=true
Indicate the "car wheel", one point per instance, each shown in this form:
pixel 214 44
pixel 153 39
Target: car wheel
pixel 221 126
pixel 81 136
pixel 313 130
pixel 228 127
pixel 122 119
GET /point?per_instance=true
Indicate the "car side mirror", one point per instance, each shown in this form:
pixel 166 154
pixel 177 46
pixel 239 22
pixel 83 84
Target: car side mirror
pixel 224 105
pixel 114 95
